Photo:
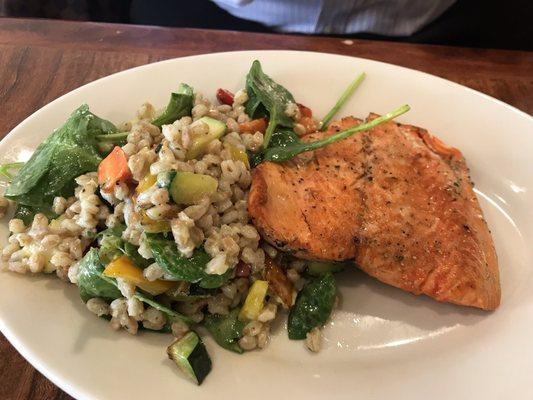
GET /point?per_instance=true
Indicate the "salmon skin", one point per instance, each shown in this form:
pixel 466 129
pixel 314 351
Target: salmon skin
pixel 395 199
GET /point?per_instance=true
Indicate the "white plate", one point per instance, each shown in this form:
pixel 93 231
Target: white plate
pixel 382 343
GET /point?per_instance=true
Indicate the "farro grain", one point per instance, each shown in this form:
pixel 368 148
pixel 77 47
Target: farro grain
pixel 313 340
pixel 98 306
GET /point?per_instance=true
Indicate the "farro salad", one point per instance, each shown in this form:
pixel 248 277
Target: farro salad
pixel 149 219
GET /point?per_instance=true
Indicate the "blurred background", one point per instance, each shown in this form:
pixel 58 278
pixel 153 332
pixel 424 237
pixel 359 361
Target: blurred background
pixel 473 23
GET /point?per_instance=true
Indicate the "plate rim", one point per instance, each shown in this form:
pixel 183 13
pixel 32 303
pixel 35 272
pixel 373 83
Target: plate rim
pixel 170 60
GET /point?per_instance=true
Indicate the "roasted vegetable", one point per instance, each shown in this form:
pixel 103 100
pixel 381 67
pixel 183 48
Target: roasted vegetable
pixel 113 169
pixel 225 329
pixel 255 125
pixel 225 97
pixel 265 94
pixel 124 268
pixel 189 188
pixel 255 301
pixel 179 105
pixel 243 270
pixel 312 308
pixel 278 282
pixel 190 355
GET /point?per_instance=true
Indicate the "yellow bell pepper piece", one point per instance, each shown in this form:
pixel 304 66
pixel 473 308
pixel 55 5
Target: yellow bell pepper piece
pixel 238 154
pixel 124 268
pixel 153 226
pixel 146 183
pixel 255 301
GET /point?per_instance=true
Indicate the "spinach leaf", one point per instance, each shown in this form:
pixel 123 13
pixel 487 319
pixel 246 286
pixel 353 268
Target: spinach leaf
pixel 171 314
pixel 91 283
pixel 132 252
pixel 117 230
pixel 117 138
pixel 254 158
pixel 99 126
pixel 285 153
pixel 313 307
pixel 113 246
pixel 280 139
pixel 283 138
pixel 226 329
pixel 147 299
pixel 180 268
pixel 274 98
pixel 70 151
pixel 26 213
pixel 213 281
pixel 110 247
pixel 195 292
pixel 180 105
pixel 253 107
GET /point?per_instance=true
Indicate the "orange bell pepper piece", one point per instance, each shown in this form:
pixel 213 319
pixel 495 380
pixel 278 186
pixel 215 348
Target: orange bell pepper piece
pixel 114 168
pixel 305 111
pixel 253 126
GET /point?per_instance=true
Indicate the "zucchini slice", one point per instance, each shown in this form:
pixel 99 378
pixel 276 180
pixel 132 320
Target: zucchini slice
pixel 189 188
pixel 321 268
pixel 199 143
pixel 191 357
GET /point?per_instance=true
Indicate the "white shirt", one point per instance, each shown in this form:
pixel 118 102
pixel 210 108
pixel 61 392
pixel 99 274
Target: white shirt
pixel 386 17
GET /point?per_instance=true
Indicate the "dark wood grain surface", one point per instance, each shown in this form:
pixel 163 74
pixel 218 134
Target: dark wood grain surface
pixel 40 60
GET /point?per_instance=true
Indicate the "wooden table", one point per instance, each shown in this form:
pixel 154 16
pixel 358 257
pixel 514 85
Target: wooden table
pixel 41 60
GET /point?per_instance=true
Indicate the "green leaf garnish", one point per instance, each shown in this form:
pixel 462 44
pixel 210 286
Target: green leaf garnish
pixel 282 154
pixel 342 100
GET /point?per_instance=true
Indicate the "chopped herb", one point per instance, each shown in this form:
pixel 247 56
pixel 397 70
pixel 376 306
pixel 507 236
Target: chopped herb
pixel 343 99
pixel 5 170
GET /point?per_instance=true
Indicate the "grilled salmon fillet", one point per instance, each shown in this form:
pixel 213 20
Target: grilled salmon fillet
pixel 395 199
